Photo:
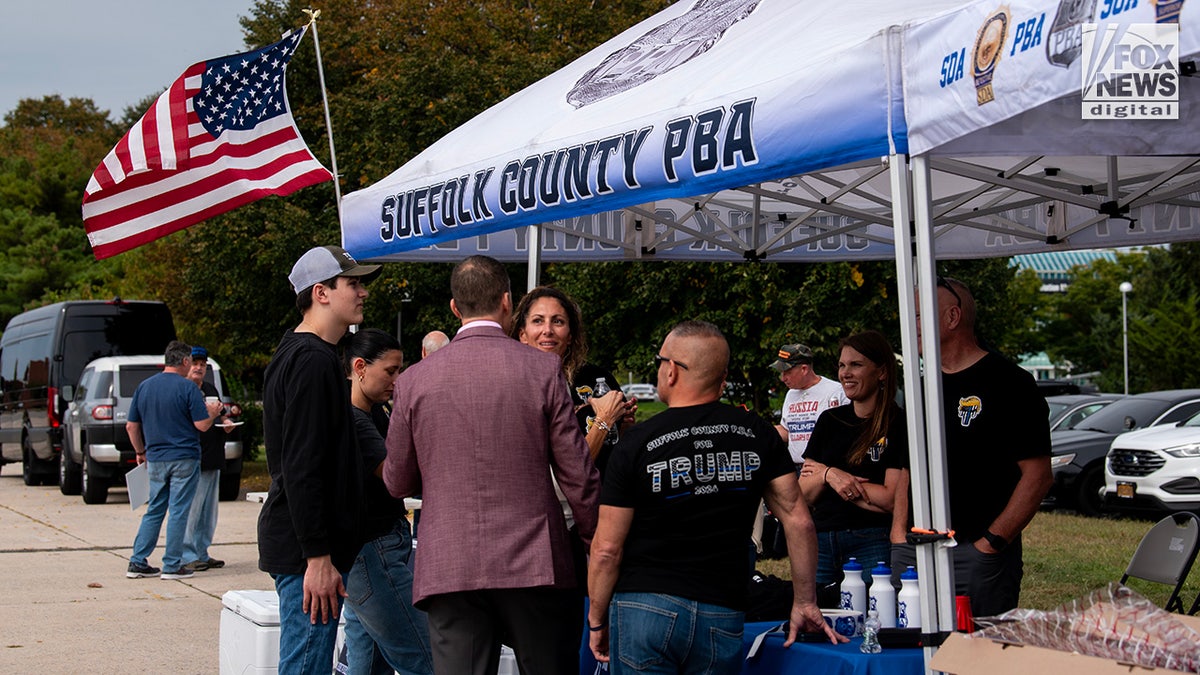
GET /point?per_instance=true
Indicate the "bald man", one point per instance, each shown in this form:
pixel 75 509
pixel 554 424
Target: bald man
pixel 676 509
pixel 433 341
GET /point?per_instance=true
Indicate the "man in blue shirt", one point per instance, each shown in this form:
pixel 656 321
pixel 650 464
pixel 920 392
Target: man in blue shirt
pixel 165 418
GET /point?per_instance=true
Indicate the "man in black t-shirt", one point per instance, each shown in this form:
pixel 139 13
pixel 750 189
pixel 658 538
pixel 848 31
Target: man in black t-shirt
pixel 678 502
pixel 997 456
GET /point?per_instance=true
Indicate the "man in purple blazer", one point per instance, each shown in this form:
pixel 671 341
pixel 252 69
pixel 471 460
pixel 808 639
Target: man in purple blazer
pixel 476 429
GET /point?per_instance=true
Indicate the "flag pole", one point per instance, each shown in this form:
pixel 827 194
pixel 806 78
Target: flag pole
pixel 313 14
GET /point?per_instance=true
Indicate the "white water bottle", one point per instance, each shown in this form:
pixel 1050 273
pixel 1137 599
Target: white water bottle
pixel 854 590
pixel 908 603
pixel 883 595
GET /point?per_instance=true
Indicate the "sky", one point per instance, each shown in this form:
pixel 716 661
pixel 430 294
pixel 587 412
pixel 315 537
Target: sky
pixel 115 53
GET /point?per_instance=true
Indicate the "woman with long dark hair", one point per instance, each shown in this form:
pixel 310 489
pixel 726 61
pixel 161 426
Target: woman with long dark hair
pixel 549 320
pixel 854 459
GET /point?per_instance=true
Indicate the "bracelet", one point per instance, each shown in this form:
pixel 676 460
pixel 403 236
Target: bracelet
pixel 602 424
pixel 825 478
pixel 597 629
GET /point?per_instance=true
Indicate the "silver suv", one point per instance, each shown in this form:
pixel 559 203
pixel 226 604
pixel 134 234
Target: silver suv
pixel 96 450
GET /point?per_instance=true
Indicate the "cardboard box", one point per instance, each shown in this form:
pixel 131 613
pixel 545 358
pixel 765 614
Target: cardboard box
pixel 962 655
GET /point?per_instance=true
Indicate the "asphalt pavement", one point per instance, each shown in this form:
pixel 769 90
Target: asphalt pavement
pixel 66 606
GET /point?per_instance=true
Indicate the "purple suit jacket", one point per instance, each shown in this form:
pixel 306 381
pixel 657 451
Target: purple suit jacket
pixel 476 428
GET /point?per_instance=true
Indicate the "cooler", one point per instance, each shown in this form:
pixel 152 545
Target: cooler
pixel 250 633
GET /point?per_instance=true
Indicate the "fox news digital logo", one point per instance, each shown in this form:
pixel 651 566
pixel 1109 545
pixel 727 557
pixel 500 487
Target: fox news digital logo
pixel 1131 71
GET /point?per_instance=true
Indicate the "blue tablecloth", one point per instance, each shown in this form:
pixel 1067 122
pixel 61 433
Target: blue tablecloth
pixel 816 658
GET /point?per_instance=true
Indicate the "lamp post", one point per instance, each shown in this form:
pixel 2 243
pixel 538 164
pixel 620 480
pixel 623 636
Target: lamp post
pixel 1125 288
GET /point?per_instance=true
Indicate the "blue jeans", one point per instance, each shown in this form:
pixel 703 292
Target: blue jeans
pixel 304 647
pixel 384 632
pixel 172 486
pixel 202 518
pixel 656 633
pixel 869 545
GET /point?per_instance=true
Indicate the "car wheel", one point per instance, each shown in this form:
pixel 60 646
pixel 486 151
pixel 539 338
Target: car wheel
pixel 28 473
pixel 1089 490
pixel 70 480
pixel 34 471
pixel 230 487
pixel 95 488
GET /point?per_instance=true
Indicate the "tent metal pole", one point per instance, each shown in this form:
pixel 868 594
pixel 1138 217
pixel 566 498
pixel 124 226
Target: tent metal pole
pixel 931 508
pixel 534 277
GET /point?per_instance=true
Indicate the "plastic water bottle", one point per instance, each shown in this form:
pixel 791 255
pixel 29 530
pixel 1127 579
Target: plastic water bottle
pixel 883 595
pixel 908 603
pixel 599 389
pixel 854 591
pixel 870 643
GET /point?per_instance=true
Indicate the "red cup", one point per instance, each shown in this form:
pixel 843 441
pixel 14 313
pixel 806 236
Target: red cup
pixel 962 611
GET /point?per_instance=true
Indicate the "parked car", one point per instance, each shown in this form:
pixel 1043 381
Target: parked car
pixel 1068 410
pixel 96 450
pixel 44 350
pixel 643 392
pixel 1156 469
pixel 1078 455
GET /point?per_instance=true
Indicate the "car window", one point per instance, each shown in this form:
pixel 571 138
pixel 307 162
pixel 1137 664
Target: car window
pixel 1111 418
pixel 1180 413
pixel 1073 420
pixel 1056 408
pixel 132 376
pixel 85 384
pixel 1193 421
pixel 102 387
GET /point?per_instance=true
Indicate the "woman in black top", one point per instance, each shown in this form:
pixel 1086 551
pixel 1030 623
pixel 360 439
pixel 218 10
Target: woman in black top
pixel 384 632
pixel 854 459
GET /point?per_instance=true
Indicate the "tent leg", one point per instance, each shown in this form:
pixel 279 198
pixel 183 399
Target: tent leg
pixel 534 278
pixel 915 271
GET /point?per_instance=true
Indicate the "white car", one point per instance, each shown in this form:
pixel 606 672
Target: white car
pixel 643 392
pixel 1155 469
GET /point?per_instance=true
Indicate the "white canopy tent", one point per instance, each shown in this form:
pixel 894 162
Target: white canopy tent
pixel 761 129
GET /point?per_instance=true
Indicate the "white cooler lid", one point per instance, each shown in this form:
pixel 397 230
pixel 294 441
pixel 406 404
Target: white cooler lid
pixel 261 607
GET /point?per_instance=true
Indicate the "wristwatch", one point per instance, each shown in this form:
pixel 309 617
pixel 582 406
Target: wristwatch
pixel 994 540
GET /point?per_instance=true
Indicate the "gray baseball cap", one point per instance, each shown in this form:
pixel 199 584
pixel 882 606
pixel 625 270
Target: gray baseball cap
pixel 326 262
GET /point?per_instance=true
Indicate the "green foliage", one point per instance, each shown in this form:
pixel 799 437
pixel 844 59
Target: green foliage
pixel 1163 324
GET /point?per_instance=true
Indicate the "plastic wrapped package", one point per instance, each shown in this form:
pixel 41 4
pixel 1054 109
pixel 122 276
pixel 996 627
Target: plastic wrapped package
pixel 1113 623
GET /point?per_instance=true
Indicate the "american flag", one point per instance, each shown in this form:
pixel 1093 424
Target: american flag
pixel 220 137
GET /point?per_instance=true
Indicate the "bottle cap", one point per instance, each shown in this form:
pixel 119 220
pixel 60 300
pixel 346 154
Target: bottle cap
pixel 852 565
pixel 910 573
pixel 881 569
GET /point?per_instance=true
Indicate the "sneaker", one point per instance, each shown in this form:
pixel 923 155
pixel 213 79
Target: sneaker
pixel 197 566
pixel 214 564
pixel 181 573
pixel 140 571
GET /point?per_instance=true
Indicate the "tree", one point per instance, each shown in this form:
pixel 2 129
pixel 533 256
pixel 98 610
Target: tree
pixel 48 150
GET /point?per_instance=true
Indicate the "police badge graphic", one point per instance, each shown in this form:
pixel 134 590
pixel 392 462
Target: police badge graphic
pixel 989 44
pixel 663 48
pixel 1066 33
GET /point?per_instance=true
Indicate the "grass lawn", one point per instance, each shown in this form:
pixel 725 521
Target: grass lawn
pixel 1067 556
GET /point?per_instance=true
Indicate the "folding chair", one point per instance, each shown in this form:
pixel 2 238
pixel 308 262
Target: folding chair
pixel 1165 555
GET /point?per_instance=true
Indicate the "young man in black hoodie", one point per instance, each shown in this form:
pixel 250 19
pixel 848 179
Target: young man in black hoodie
pixel 308 528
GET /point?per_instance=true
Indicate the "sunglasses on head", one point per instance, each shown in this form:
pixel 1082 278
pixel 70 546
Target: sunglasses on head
pixel 944 283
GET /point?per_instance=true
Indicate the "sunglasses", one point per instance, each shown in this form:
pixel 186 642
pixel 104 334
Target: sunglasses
pixel 659 358
pixel 944 283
